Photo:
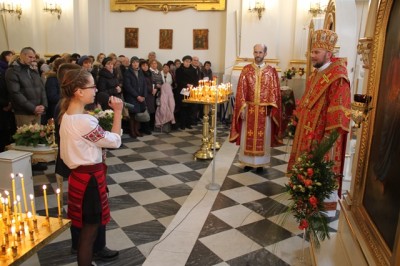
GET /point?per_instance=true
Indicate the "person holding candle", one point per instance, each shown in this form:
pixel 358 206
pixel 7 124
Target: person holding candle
pixel 256 124
pixel 81 143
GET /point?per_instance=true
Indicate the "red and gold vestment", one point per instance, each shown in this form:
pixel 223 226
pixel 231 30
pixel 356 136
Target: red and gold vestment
pixel 325 106
pixel 258 95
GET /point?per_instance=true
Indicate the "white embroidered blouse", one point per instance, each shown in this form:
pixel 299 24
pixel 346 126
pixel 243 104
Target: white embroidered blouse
pixel 82 140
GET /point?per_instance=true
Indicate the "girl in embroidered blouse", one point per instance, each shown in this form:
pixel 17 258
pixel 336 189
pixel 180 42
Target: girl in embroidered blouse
pixel 82 140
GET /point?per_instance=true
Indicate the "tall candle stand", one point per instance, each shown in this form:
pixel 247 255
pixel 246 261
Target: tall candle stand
pixel 205 152
pixel 211 133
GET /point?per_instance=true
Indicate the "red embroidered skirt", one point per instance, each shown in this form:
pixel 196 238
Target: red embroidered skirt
pixel 78 184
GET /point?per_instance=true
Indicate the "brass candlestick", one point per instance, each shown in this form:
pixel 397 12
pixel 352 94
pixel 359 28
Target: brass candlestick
pixel 205 151
pixel 360 109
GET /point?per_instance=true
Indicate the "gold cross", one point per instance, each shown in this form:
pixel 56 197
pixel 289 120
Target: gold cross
pixel 250 133
pixel 260 133
pixel 308 128
pixel 326 78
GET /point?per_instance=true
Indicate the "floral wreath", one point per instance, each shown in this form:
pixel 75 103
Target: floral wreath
pixel 312 180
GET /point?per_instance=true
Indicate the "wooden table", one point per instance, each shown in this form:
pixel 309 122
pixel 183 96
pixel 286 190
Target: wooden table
pixel 40 153
pixel 25 248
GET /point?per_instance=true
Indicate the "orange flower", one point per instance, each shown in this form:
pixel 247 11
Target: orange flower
pixel 310 172
pixel 313 201
pixel 303 224
pixel 307 182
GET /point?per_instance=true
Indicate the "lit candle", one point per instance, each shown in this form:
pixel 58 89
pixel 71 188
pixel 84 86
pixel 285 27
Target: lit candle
pixel 58 202
pixel 3 204
pixel 33 207
pixel 13 186
pixel 29 215
pixel 13 234
pixel 23 192
pixel 8 198
pixel 45 201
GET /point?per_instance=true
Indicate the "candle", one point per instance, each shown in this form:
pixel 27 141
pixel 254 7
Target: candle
pixel 13 186
pixel 29 215
pixel 15 211
pixel 3 205
pixel 19 206
pixel 58 202
pixel 13 234
pixel 23 192
pixel 45 201
pixel 33 207
pixel 8 198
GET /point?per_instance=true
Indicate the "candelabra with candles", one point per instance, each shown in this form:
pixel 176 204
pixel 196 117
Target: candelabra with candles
pixel 19 228
pixel 207 93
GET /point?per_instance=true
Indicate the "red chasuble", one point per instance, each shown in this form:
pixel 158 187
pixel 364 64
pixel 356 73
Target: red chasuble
pixel 258 89
pixel 325 106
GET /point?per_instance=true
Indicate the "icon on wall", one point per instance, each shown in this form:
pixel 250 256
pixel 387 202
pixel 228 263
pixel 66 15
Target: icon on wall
pixel 200 39
pixel 166 39
pixel 131 37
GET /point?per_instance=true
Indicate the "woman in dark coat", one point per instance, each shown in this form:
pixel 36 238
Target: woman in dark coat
pixel 150 99
pixel 107 84
pixel 135 92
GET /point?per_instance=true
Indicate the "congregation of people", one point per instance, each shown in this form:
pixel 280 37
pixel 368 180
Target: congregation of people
pixel 30 89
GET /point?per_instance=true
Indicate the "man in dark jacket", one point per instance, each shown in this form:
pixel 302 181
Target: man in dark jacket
pixel 26 89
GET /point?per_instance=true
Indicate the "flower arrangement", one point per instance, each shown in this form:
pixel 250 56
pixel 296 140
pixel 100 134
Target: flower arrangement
pixel 105 118
pixel 32 135
pixel 291 127
pixel 312 180
pixel 289 73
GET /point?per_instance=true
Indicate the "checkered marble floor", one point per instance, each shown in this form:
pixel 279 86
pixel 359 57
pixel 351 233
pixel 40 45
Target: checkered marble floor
pixel 160 206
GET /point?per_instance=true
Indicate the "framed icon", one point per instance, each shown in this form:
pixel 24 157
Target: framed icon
pixel 166 37
pixel 131 38
pixel 200 39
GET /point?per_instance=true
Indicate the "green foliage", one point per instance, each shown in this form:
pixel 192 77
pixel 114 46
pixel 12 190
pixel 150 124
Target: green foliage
pixel 312 180
pixel 32 135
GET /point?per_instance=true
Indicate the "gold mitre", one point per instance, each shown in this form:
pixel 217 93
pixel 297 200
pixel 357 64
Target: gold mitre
pixel 325 39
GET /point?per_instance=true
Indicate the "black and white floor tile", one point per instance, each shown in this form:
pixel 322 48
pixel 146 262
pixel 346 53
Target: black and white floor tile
pixel 164 212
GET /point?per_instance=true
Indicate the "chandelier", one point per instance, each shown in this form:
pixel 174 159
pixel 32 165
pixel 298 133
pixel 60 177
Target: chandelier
pixel 257 7
pixel 315 9
pixel 11 8
pixel 52 8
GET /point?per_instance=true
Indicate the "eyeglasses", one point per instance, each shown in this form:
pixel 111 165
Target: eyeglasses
pixel 89 87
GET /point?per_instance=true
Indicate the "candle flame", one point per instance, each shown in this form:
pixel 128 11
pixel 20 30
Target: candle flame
pixel 31 196
pixel 18 198
pixel 58 191
pixel 44 186
pixel 7 193
pixel 12 175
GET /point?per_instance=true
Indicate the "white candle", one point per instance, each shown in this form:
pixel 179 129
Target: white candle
pixel 45 200
pixel 23 192
pixel 13 186
pixel 33 207
pixel 58 202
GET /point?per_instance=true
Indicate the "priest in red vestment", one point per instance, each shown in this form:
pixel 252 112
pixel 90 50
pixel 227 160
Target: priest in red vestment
pixel 325 105
pixel 256 124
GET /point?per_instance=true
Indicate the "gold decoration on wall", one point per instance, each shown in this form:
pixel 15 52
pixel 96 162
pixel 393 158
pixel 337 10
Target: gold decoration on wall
pixel 380 252
pixel 330 16
pixel 166 6
pixel 364 48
